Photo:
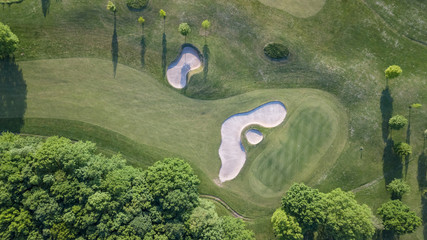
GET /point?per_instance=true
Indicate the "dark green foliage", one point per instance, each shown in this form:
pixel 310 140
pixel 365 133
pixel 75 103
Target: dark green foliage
pixel 285 227
pixel 136 4
pixel 398 188
pixel 398 218
pixel 276 51
pixel 8 41
pixel 334 215
pixel 402 149
pixel 57 189
pixel 304 203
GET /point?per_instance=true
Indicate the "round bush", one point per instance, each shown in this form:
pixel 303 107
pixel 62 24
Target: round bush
pixel 276 51
pixel 137 4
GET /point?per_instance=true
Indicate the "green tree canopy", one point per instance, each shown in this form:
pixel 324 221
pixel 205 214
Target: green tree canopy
pixel 285 227
pixel 398 218
pixel 184 29
pixel 111 6
pixel 402 149
pixel 8 41
pixel 304 203
pixel 398 188
pixel 345 218
pixel 162 13
pixel 397 122
pixel 392 71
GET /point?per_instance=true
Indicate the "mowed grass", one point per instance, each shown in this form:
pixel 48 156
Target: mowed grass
pixel 138 107
pixel 301 149
pixel 298 8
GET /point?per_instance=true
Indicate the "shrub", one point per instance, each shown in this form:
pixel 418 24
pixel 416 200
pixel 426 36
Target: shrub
pixel 137 4
pixel 276 51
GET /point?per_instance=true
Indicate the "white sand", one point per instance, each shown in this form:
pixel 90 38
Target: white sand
pixel 178 69
pixel 231 151
pixel 254 136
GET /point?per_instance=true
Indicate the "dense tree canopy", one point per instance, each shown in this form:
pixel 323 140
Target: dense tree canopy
pixel 402 149
pixel 8 41
pixel 333 215
pixel 398 218
pixel 56 189
pixel 285 227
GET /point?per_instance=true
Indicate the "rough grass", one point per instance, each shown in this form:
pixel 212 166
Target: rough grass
pixel 298 8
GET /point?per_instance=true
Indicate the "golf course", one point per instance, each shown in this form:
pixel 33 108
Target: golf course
pixel 248 124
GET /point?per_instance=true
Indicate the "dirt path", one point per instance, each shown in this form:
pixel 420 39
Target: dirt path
pixel 220 201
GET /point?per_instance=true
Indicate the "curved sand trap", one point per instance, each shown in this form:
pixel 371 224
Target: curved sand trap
pixel 231 151
pixel 178 69
pixel 254 136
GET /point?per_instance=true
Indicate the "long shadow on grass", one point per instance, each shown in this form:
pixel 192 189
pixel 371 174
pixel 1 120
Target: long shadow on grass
pixel 392 164
pixel 45 7
pixel 206 54
pixel 422 185
pixel 164 52
pixel 13 96
pixel 386 106
pixel 143 49
pixel 115 47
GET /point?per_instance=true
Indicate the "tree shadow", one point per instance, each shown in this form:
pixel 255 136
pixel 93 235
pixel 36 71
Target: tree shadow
pixel 45 7
pixel 386 106
pixel 164 52
pixel 206 54
pixel 13 96
pixel 115 47
pixel 422 184
pixel 392 164
pixel 143 50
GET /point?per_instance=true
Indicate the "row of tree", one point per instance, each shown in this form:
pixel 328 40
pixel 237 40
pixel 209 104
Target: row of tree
pixel 337 215
pixel 57 189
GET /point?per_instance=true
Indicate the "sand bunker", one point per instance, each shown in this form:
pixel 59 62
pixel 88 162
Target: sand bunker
pixel 178 69
pixel 254 136
pixel 231 151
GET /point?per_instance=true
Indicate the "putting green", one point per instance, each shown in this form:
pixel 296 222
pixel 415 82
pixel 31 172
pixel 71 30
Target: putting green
pixel 139 107
pixel 298 8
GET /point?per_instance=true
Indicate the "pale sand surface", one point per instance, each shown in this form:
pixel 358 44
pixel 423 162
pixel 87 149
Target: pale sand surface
pixel 231 150
pixel 254 136
pixel 178 69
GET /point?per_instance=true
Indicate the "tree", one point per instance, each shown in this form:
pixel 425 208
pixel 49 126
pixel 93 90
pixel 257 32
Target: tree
pixel 112 7
pixel 345 218
pixel 235 229
pixel 304 203
pixel 204 222
pixel 397 122
pixel 398 188
pixel 8 41
pixel 285 227
pixel 392 71
pixel 173 185
pixel 206 25
pixel 398 218
pixel 162 14
pixel 141 21
pixel 184 29
pixel 402 149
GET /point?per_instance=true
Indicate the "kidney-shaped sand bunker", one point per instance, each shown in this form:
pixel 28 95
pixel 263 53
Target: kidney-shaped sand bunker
pixel 177 71
pixel 231 151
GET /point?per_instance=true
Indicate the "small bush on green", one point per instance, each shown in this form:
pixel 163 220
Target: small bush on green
pixel 276 51
pixel 137 4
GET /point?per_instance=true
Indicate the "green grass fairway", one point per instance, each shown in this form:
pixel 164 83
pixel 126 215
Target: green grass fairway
pixel 136 106
pixel 298 8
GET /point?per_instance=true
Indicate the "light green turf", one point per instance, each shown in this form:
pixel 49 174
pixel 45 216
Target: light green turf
pixel 135 105
pixel 298 8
